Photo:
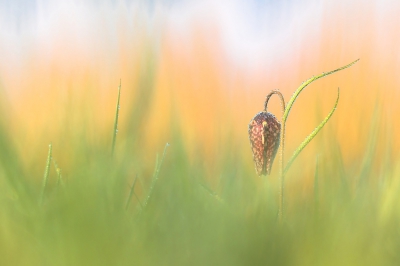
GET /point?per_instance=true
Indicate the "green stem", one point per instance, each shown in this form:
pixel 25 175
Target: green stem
pixel 282 144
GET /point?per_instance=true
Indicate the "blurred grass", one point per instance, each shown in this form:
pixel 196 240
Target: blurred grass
pixel 207 207
pixel 192 218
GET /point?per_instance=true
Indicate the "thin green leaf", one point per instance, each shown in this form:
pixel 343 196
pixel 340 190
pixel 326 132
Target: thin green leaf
pixel 370 152
pixel 316 189
pixel 311 136
pixel 131 192
pixel 155 175
pixel 308 82
pixel 115 131
pixel 46 173
pixel 58 170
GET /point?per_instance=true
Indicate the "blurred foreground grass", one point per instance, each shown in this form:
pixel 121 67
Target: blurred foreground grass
pixel 191 218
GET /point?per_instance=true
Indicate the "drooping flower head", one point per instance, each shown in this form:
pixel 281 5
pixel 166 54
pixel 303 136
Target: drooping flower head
pixel 264 135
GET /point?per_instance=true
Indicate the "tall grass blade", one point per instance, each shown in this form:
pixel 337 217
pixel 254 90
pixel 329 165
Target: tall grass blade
pixel 311 136
pixel 308 82
pixel 46 173
pixel 131 192
pixel 341 170
pixel 155 175
pixel 58 171
pixel 210 192
pixel 316 188
pixel 115 131
pixel 11 165
pixel 370 152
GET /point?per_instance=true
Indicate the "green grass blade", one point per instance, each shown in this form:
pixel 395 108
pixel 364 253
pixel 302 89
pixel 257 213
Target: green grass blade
pixel 370 152
pixel 308 82
pixel 316 188
pixel 155 175
pixel 131 192
pixel 46 172
pixel 210 192
pixel 311 136
pixel 115 131
pixel 58 170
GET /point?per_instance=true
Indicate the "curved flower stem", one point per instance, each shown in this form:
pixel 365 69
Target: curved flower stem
pixel 282 143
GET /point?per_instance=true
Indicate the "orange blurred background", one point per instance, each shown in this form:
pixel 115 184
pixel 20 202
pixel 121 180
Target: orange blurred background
pixel 204 68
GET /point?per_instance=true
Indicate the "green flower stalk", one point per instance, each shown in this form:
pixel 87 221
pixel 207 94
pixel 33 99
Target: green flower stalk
pixel 266 134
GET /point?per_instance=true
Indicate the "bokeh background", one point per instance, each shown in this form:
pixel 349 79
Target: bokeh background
pixel 203 67
pixel 197 72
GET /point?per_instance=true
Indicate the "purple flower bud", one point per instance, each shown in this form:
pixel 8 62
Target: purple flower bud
pixel 264 135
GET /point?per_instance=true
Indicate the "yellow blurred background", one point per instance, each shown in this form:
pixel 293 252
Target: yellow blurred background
pixel 205 68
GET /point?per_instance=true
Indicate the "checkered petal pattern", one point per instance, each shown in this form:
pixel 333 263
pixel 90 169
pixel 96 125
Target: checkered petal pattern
pixel 264 135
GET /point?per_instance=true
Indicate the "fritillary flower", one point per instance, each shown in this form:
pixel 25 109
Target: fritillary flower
pixel 264 135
